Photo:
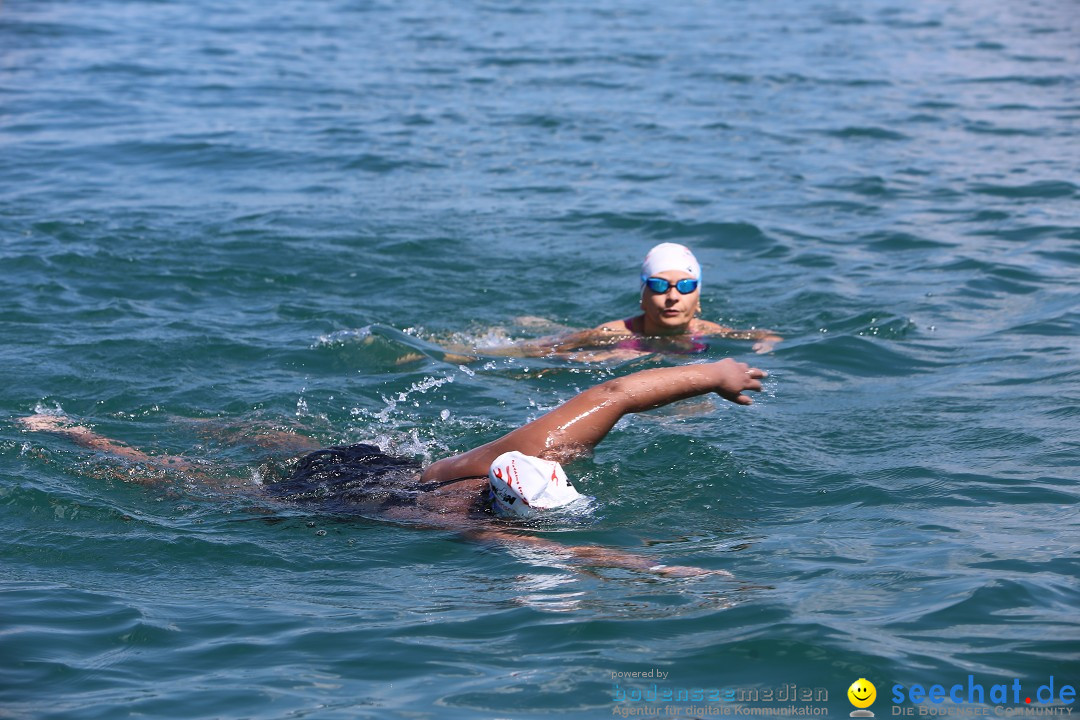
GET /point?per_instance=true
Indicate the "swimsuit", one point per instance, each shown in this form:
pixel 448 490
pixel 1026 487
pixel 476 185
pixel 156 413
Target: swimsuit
pixel 676 344
pixel 354 478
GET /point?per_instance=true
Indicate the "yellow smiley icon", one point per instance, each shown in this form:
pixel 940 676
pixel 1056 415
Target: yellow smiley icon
pixel 862 693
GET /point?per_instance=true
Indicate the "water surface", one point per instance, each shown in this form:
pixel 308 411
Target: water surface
pixel 273 213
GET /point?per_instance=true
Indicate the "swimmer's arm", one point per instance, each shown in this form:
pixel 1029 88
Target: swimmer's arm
pixel 765 340
pixel 574 428
pixel 584 555
pixel 584 338
pixel 591 555
pixel 554 344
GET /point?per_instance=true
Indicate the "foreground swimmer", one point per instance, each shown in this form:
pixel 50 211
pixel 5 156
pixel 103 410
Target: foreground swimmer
pixel 669 322
pixel 516 475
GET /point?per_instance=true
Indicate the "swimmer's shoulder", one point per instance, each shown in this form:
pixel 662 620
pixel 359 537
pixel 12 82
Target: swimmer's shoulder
pixel 616 327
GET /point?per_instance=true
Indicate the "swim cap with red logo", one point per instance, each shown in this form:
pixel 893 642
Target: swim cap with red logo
pixel 522 484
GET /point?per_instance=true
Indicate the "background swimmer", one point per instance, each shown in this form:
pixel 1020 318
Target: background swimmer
pixel 453 493
pixel 670 304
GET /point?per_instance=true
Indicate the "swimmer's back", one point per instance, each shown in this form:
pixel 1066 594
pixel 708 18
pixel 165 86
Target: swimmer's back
pixel 361 479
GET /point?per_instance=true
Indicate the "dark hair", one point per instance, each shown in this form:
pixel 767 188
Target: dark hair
pixel 350 478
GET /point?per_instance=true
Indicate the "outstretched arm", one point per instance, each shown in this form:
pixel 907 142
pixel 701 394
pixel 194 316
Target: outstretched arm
pixel 765 340
pixel 575 427
pixel 582 345
pixel 590 555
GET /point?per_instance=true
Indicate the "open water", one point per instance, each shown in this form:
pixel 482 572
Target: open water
pixel 214 215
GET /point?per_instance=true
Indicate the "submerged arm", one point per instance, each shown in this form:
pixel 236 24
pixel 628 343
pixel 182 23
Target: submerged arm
pixel 575 427
pixel 554 345
pixel 590 555
pixel 765 340
pixel 442 515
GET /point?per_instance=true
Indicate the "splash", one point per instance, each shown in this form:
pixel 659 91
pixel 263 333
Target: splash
pixel 42 409
pixel 421 387
pixel 491 338
pixel 342 337
pixel 395 430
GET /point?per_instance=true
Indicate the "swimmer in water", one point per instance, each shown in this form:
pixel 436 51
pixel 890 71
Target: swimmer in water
pixel 516 475
pixel 671 302
pixel 669 322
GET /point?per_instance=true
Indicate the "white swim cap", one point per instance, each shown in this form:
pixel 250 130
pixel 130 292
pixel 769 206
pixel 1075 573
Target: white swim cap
pixel 670 256
pixel 521 484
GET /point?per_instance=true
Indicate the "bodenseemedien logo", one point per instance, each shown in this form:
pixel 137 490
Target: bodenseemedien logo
pixel 862 694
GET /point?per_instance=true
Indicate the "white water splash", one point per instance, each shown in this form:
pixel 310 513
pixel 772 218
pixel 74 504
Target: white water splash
pixel 42 409
pixel 421 387
pixel 341 337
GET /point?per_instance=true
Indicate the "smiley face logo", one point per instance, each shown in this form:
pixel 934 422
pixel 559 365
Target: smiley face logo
pixel 862 693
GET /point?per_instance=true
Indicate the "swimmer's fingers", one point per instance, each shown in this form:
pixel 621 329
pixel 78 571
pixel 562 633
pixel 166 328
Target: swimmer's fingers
pixel 734 378
pixel 751 383
pixel 766 343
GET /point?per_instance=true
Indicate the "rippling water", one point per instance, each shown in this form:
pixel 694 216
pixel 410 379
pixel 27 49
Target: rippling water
pixel 275 213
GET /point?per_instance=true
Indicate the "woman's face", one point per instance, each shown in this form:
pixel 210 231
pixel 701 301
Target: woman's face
pixel 669 313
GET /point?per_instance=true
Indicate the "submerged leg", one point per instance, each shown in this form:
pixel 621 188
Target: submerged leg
pixel 87 438
pixel 84 436
pixel 250 433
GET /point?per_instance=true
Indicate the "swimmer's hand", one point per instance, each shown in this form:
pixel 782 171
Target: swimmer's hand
pixel 608 557
pixel 766 343
pixel 687 571
pixel 730 379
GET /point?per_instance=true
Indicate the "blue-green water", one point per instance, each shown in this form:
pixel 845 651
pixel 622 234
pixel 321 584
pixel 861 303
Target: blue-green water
pixel 260 212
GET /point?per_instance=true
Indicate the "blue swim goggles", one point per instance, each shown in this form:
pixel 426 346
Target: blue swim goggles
pixel 661 286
